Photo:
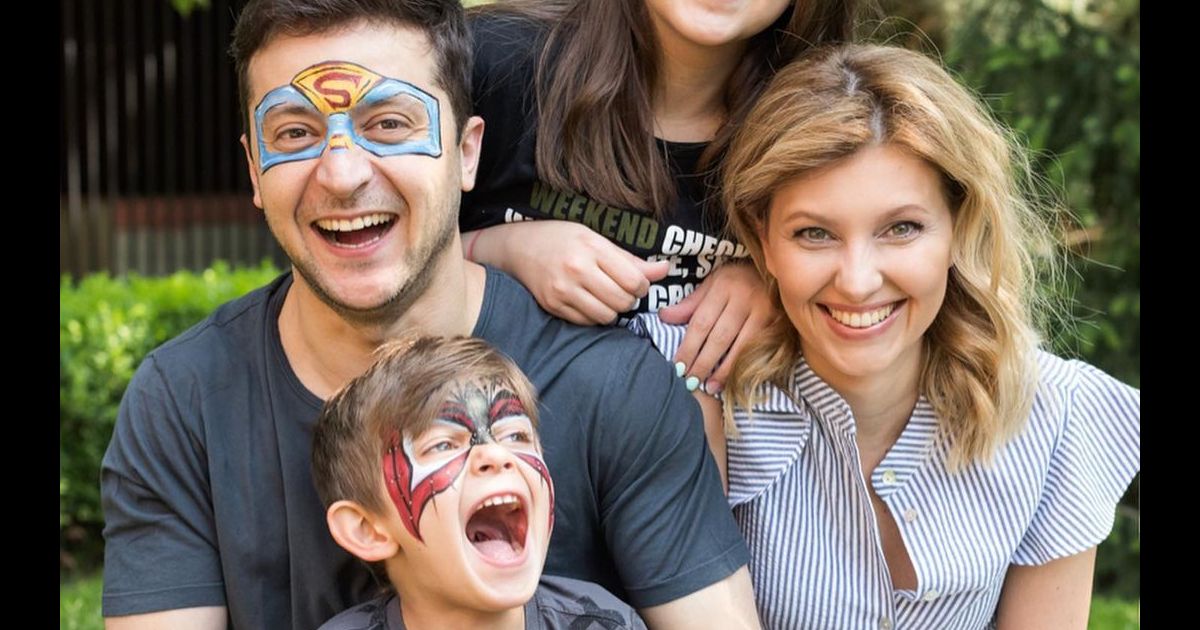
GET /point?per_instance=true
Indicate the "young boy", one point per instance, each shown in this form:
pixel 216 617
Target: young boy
pixel 430 468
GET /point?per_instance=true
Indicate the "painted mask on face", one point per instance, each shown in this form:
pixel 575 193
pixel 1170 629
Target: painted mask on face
pixel 354 105
pixel 474 417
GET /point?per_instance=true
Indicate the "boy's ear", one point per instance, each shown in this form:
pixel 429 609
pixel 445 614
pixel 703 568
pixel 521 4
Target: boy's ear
pixel 360 532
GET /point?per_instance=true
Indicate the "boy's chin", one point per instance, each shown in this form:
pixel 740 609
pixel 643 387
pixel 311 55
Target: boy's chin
pixel 508 587
pixel 499 596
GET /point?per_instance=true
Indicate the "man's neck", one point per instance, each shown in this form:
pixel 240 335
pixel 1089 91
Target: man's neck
pixel 326 349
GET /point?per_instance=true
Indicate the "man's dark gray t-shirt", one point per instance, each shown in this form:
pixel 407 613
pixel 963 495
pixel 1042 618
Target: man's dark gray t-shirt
pixel 209 500
pixel 558 604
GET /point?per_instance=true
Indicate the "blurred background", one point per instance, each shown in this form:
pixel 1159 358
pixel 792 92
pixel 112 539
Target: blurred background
pixel 156 224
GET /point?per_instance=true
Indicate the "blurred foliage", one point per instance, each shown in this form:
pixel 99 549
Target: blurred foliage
pixel 106 327
pixel 79 604
pixel 185 7
pixel 1114 614
pixel 1066 75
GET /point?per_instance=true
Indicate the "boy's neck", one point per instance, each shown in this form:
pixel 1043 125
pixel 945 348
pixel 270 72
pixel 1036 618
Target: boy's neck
pixel 435 614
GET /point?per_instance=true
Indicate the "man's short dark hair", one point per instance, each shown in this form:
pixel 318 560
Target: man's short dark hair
pixel 442 21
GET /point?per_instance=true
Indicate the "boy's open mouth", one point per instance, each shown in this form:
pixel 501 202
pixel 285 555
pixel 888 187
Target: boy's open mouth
pixel 497 528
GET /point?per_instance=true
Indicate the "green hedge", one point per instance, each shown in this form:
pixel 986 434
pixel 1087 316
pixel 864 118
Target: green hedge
pixel 106 326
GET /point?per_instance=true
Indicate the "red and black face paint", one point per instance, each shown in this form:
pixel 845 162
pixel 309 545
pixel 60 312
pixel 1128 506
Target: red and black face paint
pixel 472 414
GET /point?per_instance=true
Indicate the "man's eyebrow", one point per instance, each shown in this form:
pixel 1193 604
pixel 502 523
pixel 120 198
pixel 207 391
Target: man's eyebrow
pixel 290 109
pixel 401 99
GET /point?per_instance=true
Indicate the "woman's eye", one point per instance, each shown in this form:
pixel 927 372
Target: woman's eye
pixel 813 234
pixel 904 229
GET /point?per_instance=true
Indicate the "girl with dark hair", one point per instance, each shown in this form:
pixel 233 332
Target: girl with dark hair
pixel 605 121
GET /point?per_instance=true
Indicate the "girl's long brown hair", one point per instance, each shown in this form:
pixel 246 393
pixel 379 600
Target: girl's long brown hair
pixel 595 74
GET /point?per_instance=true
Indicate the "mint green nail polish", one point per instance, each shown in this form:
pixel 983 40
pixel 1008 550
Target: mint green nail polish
pixel 680 368
pixel 692 383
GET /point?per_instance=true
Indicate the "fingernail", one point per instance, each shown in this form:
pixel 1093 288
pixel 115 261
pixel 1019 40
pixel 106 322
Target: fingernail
pixel 712 387
pixel 692 383
pixel 680 368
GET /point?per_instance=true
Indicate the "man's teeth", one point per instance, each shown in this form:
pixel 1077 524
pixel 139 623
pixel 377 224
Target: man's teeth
pixel 358 223
pixel 862 320
pixel 503 499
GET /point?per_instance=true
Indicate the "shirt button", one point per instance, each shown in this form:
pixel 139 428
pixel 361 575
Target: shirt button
pixel 889 476
pixel 910 515
pixel 930 596
pixel 885 623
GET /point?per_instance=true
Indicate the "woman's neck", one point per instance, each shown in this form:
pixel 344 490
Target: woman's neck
pixel 882 403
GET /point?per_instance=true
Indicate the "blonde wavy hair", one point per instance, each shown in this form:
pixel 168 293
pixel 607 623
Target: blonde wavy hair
pixel 979 362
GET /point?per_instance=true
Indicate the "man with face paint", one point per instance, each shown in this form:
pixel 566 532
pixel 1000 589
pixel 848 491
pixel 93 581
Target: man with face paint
pixel 431 469
pixel 359 144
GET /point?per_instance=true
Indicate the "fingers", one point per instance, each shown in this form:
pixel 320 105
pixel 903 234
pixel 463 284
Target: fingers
pixel 758 321
pixel 653 271
pixel 578 304
pixel 720 338
pixel 700 326
pixel 624 269
pixel 682 312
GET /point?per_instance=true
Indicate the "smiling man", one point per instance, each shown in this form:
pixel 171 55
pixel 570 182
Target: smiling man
pixel 359 146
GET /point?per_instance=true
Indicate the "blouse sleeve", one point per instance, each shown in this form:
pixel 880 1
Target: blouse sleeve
pixel 1096 456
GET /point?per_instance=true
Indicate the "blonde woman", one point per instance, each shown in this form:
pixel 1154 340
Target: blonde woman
pixel 902 453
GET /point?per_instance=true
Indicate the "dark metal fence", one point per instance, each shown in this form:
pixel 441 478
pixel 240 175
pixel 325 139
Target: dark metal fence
pixel 152 177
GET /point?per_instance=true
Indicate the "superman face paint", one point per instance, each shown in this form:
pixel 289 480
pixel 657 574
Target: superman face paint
pixel 338 103
pixel 487 433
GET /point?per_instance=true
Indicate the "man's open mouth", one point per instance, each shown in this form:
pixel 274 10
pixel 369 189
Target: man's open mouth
pixel 356 232
pixel 497 528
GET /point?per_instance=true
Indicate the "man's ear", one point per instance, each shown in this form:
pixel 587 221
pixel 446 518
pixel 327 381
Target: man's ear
pixel 469 147
pixel 250 164
pixel 360 532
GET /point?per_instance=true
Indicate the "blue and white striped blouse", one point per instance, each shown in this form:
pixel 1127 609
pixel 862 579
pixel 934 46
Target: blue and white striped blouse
pixel 801 501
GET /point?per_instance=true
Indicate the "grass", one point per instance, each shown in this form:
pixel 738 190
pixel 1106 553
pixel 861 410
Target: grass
pixel 79 604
